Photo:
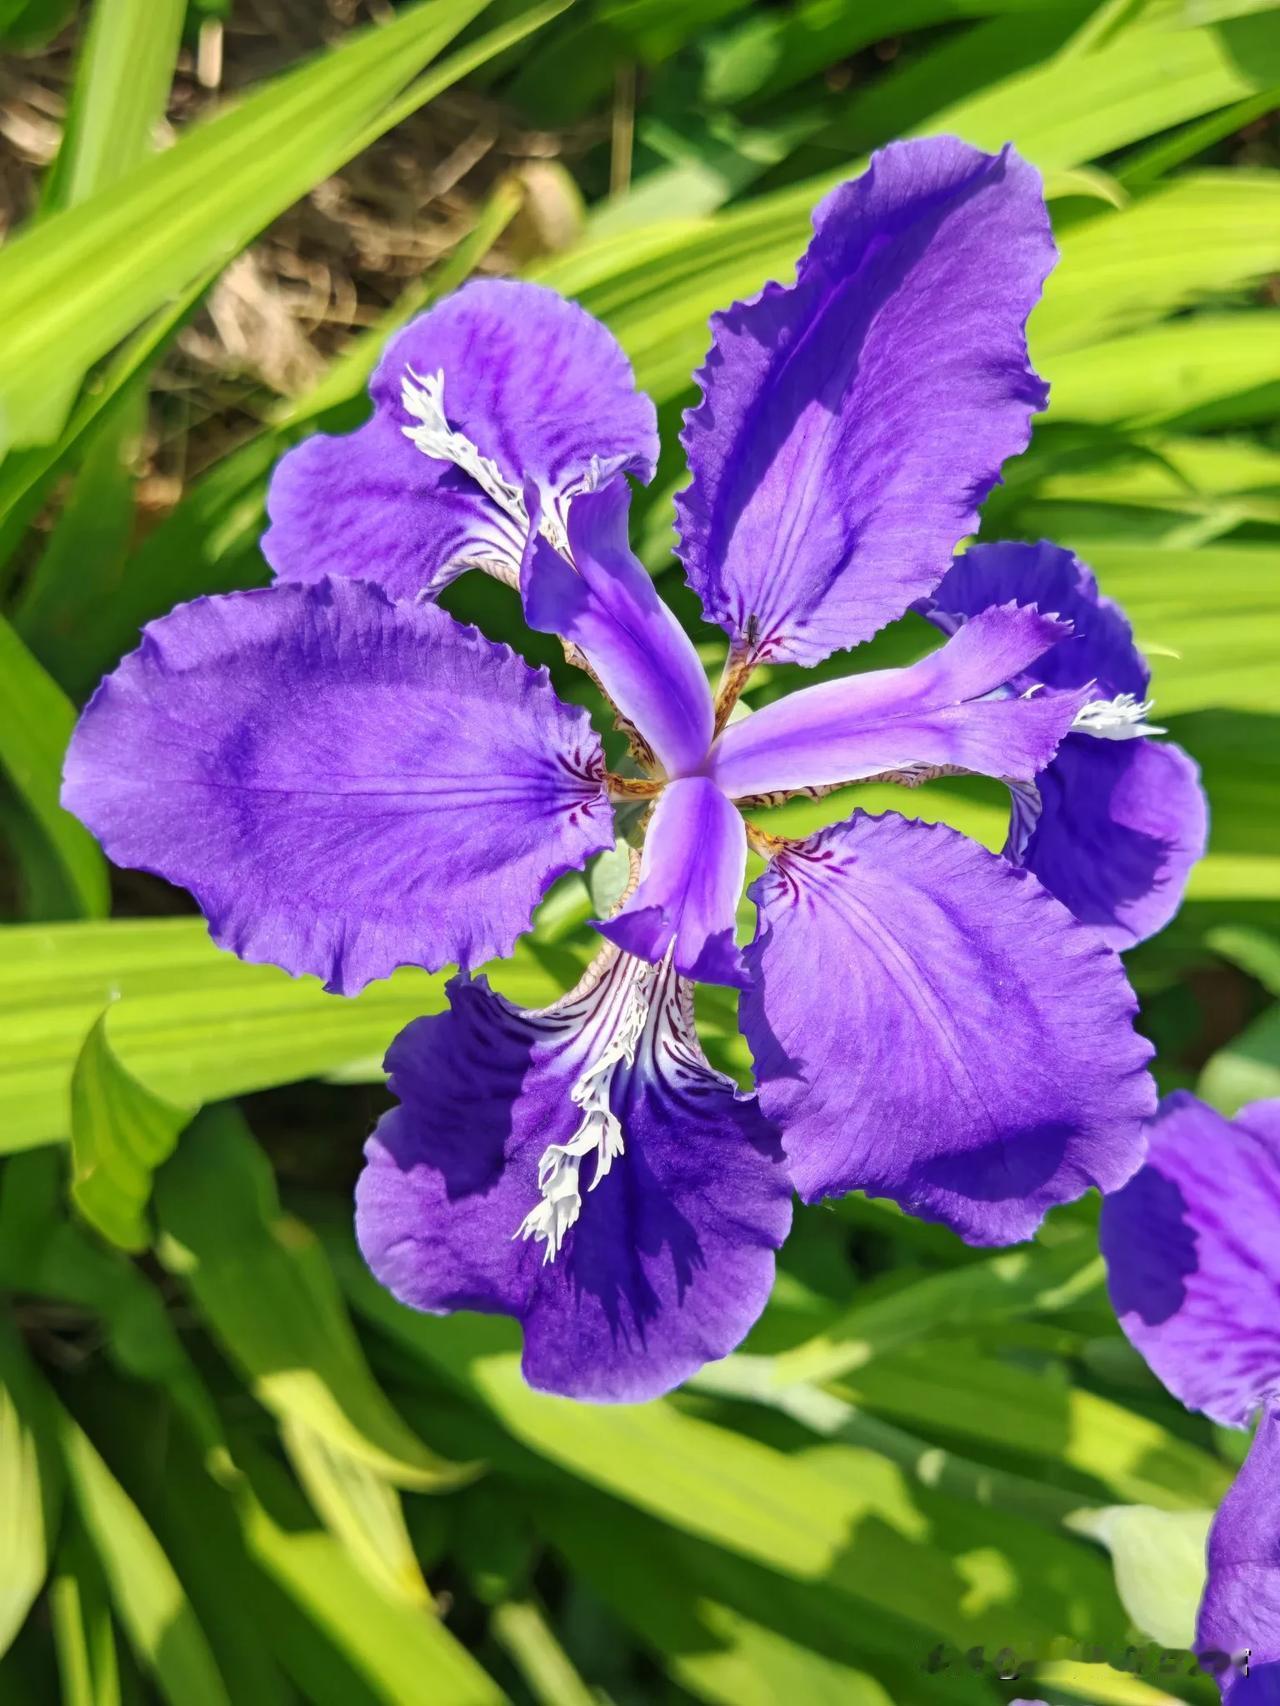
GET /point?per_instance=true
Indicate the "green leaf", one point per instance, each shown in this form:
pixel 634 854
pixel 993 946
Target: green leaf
pixel 1205 652
pixel 1018 1282
pixel 30 1483
pixel 84 278
pixel 522 1629
pixel 120 1133
pixel 1251 950
pixel 951 1387
pixel 394 1647
pixel 733 1634
pixel 833 1514
pixel 1206 232
pixel 1159 1560
pixel 1144 80
pixel 27 475
pixel 29 24
pixel 209 543
pixel 44 1253
pixel 122 80
pixel 262 1282
pixel 700 1478
pixel 1165 370
pixel 359 1508
pixel 83 1636
pixel 1247 1069
pixel 36 721
pixel 752 1378
pixel 190 1022
pixel 94 527
pixel 149 1599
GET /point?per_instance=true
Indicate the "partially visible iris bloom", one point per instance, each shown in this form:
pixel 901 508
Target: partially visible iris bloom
pixel 349 780
pixel 1192 1246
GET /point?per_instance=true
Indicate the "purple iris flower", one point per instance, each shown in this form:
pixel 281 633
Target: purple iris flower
pixel 348 780
pixel 1192 1246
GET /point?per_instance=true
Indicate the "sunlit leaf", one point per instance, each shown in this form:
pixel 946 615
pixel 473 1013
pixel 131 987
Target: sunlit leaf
pixel 1159 1559
pixel 263 1283
pixel 30 1484
pixel 120 1133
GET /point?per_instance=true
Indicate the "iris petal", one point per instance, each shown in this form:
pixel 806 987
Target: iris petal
pixel 1193 1254
pixel 695 859
pixel 929 1025
pixel 937 712
pixel 853 423
pixel 531 382
pixel 345 784
pixel 1240 1611
pixel 606 604
pixel 1121 823
pixel 669 1257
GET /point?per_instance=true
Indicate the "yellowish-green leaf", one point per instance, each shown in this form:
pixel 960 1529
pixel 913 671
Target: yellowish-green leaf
pixel 955 1389
pixel 30 1483
pixel 191 1023
pixel 359 1508
pixel 1159 1560
pixel 403 1652
pixel 1247 1069
pixel 1207 231
pixel 36 720
pixel 1165 370
pixel 1026 1281
pixel 123 74
pixel 263 1284
pixel 84 278
pixel 149 1599
pixel 521 1627
pixel 120 1133
pixel 83 1636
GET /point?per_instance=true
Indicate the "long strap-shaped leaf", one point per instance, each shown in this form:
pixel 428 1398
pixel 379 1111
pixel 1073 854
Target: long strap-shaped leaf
pixel 83 279
pixel 36 720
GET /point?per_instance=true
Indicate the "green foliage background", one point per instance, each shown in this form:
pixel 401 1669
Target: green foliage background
pixel 231 1469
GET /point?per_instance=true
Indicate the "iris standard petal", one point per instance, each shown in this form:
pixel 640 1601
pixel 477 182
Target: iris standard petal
pixel 1118 824
pixel 853 422
pixel 1121 825
pixel 928 1024
pixel 345 784
pixel 501 386
pixel 691 874
pixel 1193 1256
pixel 1238 1629
pixel 936 712
pixel 597 1120
pixel 606 604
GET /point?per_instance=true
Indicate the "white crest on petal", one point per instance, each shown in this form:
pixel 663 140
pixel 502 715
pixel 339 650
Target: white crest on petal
pixel 631 984
pixel 1121 718
pixel 423 398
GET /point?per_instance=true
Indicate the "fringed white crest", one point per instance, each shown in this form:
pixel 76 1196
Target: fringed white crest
pixel 599 1132
pixel 1121 718
pixel 423 398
